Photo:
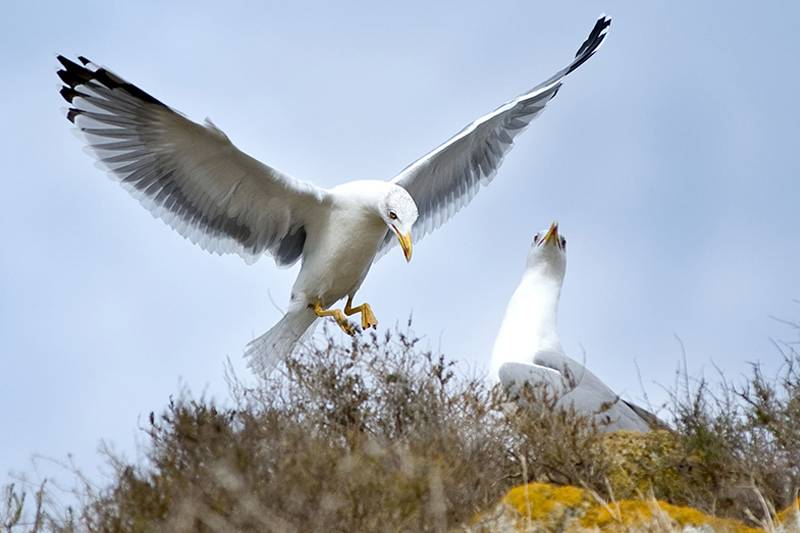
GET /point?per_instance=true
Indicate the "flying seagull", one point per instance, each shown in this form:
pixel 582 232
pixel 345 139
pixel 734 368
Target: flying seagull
pixel 193 177
pixel 527 348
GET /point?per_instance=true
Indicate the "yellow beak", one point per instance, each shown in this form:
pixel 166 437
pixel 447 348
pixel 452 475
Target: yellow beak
pixel 405 242
pixel 552 234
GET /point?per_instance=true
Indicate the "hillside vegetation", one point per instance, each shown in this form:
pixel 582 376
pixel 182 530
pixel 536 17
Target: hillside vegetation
pixel 377 434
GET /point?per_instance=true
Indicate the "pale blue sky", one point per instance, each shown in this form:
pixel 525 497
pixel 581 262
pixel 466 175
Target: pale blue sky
pixel 670 159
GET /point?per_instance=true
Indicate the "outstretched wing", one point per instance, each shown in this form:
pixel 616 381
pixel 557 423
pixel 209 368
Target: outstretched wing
pixel 189 175
pixel 446 179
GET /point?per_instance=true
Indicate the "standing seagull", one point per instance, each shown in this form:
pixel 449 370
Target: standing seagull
pixel 527 348
pixel 191 176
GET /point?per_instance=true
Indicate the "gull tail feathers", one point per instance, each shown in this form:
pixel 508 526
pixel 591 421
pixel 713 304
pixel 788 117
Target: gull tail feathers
pixel 264 353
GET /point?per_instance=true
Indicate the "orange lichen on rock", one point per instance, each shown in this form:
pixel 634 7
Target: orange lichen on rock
pixel 789 518
pixel 567 508
pixel 547 504
pixel 621 515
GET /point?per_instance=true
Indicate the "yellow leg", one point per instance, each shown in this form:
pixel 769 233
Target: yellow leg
pixel 368 319
pixel 337 316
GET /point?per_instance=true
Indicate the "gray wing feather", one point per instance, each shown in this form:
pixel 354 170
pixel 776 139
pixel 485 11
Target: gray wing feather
pixel 513 376
pixel 446 179
pixel 189 175
pixel 650 418
pixel 578 386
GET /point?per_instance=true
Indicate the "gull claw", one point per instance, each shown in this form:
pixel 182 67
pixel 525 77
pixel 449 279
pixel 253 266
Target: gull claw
pixel 347 327
pixel 368 319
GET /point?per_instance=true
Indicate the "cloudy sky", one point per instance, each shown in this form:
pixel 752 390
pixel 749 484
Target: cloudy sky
pixel 670 159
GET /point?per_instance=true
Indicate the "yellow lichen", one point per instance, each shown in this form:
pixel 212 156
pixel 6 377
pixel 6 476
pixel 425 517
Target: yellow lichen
pixel 790 517
pixel 641 462
pixel 568 508
pixel 547 504
pixel 621 515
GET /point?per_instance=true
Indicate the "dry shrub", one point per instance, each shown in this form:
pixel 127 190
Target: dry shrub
pixel 378 434
pixel 369 435
pixel 739 444
pixel 555 443
pixel 372 435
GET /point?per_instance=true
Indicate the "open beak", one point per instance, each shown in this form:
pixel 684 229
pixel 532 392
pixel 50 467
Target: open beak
pixel 405 242
pixel 551 235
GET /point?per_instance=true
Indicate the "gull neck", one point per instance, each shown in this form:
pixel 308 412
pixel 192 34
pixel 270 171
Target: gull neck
pixel 542 290
pixel 529 325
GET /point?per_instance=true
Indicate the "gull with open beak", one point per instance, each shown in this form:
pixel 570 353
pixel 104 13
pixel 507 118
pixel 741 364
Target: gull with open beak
pixel 193 177
pixel 527 349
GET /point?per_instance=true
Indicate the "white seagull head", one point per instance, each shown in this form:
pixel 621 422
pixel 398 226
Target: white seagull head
pixel 399 211
pixel 548 253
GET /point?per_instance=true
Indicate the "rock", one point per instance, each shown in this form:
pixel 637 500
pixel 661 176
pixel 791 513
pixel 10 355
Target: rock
pixel 643 462
pixel 548 507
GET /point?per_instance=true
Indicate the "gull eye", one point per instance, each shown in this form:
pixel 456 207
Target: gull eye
pixel 536 239
pixel 392 215
pixel 563 243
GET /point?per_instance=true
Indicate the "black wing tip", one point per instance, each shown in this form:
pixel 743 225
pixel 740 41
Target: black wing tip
pixel 592 43
pixel 72 113
pixel 73 75
pixel 69 64
pixel 603 22
pixel 596 36
pixel 68 93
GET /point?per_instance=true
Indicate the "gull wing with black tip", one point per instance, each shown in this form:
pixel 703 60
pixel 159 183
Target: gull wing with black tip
pixel 446 179
pixel 188 174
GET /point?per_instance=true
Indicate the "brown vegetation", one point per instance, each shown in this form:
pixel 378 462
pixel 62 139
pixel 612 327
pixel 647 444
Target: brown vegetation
pixel 377 434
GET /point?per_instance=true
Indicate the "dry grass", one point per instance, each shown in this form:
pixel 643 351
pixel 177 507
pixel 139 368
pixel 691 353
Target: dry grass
pixel 740 443
pixel 377 434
